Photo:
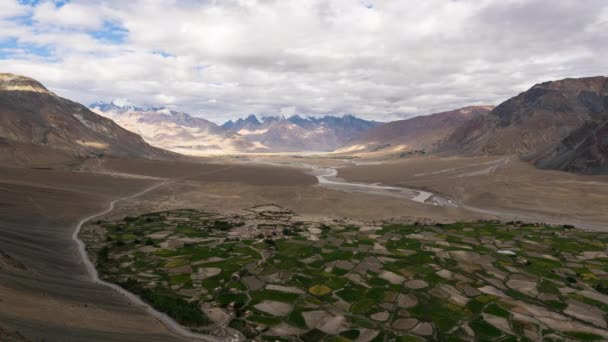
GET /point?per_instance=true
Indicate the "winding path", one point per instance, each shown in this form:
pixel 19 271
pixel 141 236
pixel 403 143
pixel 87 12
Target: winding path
pixel 164 319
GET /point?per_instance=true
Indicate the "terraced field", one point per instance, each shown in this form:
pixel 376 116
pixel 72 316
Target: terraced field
pixel 275 276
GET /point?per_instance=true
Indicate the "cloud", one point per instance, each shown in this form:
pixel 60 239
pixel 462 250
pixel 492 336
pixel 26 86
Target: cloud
pixel 12 8
pixel 69 15
pixel 381 60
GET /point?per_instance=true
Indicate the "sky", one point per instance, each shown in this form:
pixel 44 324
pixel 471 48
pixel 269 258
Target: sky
pixel 222 59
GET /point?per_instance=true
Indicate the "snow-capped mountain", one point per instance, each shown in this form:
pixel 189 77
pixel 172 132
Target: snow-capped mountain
pixel 183 133
pixel 175 131
pixel 298 133
pixel 115 105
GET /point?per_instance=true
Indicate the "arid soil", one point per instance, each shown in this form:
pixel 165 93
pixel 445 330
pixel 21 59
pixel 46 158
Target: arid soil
pixel 235 184
pixel 501 186
pixel 45 292
pixel 52 297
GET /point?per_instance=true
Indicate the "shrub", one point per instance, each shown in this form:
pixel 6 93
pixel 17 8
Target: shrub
pixel 222 225
pixel 102 255
pixel 174 306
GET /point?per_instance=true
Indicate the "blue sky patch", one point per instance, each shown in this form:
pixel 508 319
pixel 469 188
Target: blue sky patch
pixel 111 32
pixel 162 53
pixel 7 47
pixel 11 47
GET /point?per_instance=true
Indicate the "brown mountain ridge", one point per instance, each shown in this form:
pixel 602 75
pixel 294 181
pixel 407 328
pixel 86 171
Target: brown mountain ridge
pixel 556 125
pixel 425 132
pixel 38 126
pixel 536 118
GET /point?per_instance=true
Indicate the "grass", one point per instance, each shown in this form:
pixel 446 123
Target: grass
pixel 574 246
pixel 314 335
pixel 484 329
pixel 350 334
pixel 176 263
pixel 338 339
pixel 350 294
pixel 583 336
pixel 337 255
pixel 496 310
pixel 362 306
pixel 376 281
pixel 336 283
pixel 559 306
pixel 226 298
pixel 167 302
pixel 548 287
pixel 475 306
pixel 541 267
pixel 408 339
pixel 295 318
pixel 266 320
pixel 436 310
pixel 339 271
pixel 180 278
pixel 320 290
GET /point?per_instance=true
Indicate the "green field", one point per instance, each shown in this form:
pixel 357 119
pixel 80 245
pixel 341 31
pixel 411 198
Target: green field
pixel 309 281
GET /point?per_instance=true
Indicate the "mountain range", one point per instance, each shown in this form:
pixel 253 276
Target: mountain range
pixel 183 133
pixel 560 125
pixel 175 131
pixel 298 133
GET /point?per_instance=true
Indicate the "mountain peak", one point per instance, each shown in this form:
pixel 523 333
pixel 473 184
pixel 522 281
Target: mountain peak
pixel 124 103
pixel 251 118
pixel 12 82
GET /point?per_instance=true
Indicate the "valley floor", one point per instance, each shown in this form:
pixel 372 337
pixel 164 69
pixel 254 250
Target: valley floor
pixel 48 292
pixel 502 187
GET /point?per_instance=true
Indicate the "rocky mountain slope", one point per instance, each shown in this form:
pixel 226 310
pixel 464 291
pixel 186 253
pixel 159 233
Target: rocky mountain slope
pixel 176 131
pixel 421 133
pixel 534 119
pixel 297 133
pixel 37 125
pixel 555 125
pixel 585 150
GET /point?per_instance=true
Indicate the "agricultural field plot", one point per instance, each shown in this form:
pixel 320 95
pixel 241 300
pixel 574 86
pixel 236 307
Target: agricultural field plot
pixel 273 277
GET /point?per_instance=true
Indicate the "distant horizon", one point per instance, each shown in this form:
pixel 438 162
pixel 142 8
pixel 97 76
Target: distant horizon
pixel 260 116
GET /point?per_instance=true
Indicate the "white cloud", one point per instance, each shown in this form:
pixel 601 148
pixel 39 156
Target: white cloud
pixel 69 15
pixel 288 111
pixel 381 60
pixel 11 8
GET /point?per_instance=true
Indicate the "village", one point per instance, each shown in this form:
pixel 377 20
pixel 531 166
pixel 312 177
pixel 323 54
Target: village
pixel 273 275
